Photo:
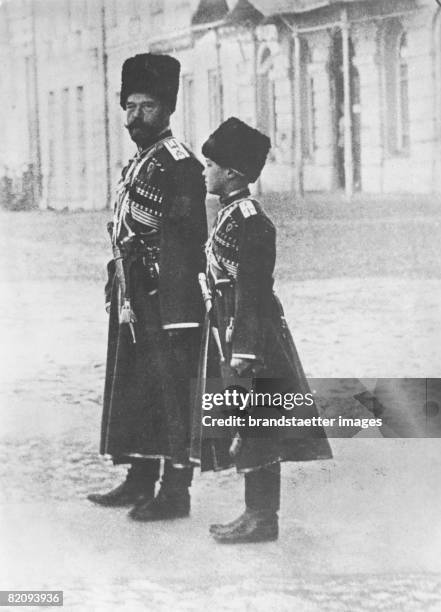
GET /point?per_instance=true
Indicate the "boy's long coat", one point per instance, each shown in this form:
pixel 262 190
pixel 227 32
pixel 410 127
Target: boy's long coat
pixel 241 254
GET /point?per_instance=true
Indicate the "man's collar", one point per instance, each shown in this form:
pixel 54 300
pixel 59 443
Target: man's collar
pixel 234 195
pixel 163 134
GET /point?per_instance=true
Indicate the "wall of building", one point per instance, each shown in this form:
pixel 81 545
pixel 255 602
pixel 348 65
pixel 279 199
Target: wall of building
pixel 233 70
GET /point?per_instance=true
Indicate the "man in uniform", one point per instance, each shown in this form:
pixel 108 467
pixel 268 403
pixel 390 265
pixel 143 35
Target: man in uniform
pixel 157 235
pixel 252 338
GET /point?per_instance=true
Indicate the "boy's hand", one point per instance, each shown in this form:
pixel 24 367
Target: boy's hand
pixel 244 366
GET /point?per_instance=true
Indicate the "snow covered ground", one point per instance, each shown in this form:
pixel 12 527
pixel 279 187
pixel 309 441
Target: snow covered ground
pixel 359 532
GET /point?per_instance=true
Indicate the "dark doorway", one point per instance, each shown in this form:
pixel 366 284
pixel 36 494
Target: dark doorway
pixel 337 100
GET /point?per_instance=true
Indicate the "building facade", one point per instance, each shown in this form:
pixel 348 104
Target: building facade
pixel 349 91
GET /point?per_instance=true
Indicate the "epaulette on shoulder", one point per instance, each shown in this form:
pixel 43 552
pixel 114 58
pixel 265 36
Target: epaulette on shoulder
pixel 176 149
pixel 248 208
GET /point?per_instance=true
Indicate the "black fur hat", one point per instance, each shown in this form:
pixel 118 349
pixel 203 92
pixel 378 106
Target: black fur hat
pixel 238 146
pixel 157 75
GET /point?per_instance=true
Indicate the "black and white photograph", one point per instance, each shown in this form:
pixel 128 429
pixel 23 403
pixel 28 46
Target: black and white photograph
pixel 220 273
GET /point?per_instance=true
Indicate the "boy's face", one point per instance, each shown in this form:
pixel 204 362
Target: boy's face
pixel 216 178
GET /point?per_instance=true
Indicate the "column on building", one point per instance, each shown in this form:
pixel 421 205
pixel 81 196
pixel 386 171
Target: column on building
pixel 5 101
pixel 185 119
pixel 17 139
pixel 96 145
pixel 408 116
pixel 236 57
pixel 304 141
pixel 418 55
pixel 55 118
pixel 79 141
pixel 319 174
pixel 245 76
pixel 369 109
pixel 436 54
pixel 51 60
pixel 208 87
pixel 419 67
pixel 71 116
pixel 275 105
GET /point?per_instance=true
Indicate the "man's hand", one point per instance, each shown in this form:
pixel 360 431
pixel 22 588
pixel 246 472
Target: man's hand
pixel 244 366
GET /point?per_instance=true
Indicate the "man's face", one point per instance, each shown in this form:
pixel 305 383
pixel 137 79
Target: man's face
pixel 216 177
pixel 146 117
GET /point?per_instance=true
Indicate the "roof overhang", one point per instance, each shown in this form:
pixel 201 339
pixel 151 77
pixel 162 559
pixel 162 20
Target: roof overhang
pixel 210 11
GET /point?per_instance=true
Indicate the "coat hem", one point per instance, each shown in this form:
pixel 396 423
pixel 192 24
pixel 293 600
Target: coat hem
pixel 258 467
pixel 180 325
pixel 140 456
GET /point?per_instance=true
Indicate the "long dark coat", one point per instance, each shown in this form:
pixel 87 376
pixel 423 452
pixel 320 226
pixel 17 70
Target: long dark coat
pixel 146 398
pixel 241 256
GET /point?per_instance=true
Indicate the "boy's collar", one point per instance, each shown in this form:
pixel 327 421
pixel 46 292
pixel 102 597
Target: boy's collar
pixel 234 195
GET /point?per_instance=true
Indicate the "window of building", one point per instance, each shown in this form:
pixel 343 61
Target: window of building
pixel 310 114
pixel 51 148
pixel 397 88
pixel 214 98
pixel 437 45
pixel 266 97
pixel 81 143
pixel 188 109
pixel 403 96
pixel 308 103
pixel 30 106
pixel 66 138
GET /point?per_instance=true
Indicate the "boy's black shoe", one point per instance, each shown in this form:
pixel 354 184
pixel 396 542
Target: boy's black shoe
pixel 251 526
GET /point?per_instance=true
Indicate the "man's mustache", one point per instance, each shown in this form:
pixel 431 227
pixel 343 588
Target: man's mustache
pixel 135 124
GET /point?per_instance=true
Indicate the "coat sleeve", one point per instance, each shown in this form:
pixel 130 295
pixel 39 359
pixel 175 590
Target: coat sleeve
pixel 183 236
pixel 109 282
pixel 253 286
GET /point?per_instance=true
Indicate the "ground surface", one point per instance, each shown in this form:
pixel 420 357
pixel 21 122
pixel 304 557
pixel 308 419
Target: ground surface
pixel 361 289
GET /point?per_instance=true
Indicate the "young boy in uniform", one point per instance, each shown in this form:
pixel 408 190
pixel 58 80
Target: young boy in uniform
pixel 252 331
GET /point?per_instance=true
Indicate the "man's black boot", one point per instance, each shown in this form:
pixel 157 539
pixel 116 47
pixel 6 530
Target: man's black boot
pixel 259 522
pixel 172 500
pixel 138 487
